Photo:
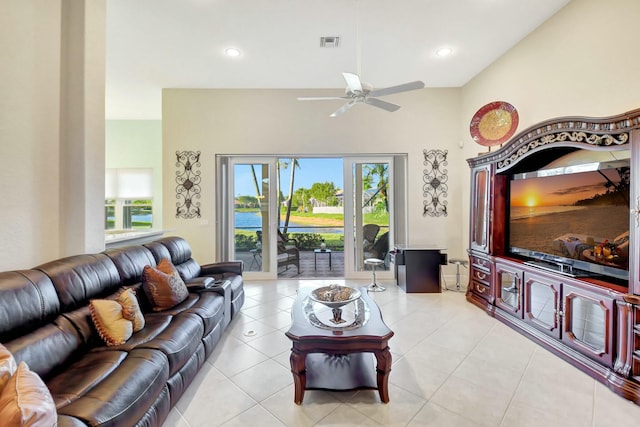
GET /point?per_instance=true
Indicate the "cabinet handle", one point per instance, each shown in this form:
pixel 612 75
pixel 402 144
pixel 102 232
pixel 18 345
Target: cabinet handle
pixel 480 289
pixel 480 276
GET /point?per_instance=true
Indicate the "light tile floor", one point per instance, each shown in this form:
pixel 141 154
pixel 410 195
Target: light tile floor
pixel 453 365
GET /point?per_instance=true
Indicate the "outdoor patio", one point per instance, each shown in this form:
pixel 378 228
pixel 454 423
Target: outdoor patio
pixel 312 266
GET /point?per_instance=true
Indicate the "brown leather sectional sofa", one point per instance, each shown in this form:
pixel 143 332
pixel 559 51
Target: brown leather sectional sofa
pixel 45 321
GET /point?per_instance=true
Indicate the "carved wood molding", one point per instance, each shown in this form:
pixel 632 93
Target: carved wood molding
pixel 625 342
pixel 563 131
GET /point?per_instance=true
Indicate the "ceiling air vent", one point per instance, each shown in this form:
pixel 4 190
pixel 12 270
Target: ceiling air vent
pixel 329 41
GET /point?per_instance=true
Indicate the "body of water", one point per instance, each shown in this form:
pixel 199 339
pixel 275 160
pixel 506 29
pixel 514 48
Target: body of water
pixel 253 221
pixel 521 212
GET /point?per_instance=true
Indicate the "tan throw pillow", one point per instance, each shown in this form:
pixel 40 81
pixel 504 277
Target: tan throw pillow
pixel 165 289
pixel 131 308
pixel 7 366
pixel 26 401
pixel 107 317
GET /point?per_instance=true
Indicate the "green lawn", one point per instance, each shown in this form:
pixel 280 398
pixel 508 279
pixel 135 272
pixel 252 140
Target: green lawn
pixel 246 239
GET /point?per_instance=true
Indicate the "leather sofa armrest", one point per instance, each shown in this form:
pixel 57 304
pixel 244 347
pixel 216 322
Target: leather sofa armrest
pixel 234 267
pixel 222 287
pixel 198 283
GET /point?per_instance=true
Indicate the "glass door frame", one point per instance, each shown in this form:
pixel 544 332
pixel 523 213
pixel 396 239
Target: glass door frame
pixel 351 270
pixel 269 245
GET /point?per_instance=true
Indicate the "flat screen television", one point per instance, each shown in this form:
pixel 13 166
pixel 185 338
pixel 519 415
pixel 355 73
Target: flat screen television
pixel 572 219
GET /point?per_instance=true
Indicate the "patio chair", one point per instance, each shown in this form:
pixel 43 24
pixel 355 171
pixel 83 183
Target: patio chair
pixel 369 233
pixel 288 254
pixel 289 243
pixel 379 249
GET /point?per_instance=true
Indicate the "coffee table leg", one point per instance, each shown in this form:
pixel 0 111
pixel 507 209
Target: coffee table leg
pixel 299 371
pixel 383 368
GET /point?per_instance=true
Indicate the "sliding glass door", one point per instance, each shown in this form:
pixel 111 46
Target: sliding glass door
pixel 370 211
pixel 252 215
pixel 346 204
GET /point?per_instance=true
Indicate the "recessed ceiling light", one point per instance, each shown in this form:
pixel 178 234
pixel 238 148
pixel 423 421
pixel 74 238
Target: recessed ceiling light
pixel 444 51
pixel 329 41
pixel 232 51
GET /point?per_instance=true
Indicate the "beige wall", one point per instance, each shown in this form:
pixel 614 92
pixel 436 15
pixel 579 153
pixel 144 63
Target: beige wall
pixel 581 62
pixel 274 122
pixel 48 199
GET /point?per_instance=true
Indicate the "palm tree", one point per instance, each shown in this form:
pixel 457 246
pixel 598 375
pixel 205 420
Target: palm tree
pixel 257 187
pixel 280 163
pixel 381 171
pixel 294 164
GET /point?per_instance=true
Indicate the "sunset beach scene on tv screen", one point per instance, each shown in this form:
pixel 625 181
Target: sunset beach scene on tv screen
pixel 573 215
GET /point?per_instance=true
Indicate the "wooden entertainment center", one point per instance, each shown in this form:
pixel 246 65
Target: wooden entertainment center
pixel 592 320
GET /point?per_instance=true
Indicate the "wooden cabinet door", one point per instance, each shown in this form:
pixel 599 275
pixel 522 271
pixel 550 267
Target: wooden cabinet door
pixel 542 303
pixel 588 322
pixel 480 220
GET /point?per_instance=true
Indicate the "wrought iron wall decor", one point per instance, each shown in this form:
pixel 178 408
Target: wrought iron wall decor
pixel 435 186
pixel 188 180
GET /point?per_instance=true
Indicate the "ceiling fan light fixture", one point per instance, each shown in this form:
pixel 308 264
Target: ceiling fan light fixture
pixel 232 51
pixel 444 51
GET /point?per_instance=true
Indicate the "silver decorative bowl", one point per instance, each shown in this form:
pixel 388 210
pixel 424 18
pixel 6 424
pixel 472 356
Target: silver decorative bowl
pixel 334 297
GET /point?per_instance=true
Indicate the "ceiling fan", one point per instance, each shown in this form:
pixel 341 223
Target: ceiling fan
pixel 358 92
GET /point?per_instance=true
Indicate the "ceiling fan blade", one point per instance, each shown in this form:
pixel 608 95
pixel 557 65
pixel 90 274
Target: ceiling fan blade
pixel 343 109
pixel 381 104
pixel 397 89
pixel 353 82
pixel 321 98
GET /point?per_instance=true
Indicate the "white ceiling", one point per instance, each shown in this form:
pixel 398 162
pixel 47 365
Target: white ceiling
pixel 155 44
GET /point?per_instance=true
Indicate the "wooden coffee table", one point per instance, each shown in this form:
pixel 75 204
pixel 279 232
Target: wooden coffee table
pixel 339 357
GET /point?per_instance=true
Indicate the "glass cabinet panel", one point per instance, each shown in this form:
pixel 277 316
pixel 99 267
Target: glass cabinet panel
pixel 587 325
pixel 509 290
pixel 542 305
pixel 480 217
pixel 586 322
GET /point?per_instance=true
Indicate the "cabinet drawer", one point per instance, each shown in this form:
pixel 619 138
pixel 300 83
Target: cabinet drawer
pixel 481 276
pixel 481 263
pixel 482 290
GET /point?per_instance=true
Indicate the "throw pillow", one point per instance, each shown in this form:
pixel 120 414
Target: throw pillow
pixel 7 366
pixel 131 308
pixel 165 289
pixel 26 400
pixel 166 266
pixel 107 317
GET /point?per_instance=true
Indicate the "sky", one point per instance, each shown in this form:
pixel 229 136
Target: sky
pixel 559 190
pixel 311 170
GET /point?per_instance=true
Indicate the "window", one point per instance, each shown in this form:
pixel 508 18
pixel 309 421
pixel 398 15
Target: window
pixel 128 199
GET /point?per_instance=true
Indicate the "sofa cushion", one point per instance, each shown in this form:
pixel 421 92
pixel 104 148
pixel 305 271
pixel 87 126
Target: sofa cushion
pixel 130 261
pixel 131 308
pixel 180 255
pixel 29 301
pixel 51 347
pixel 163 286
pixel 108 387
pixel 79 278
pixel 26 401
pixel 7 366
